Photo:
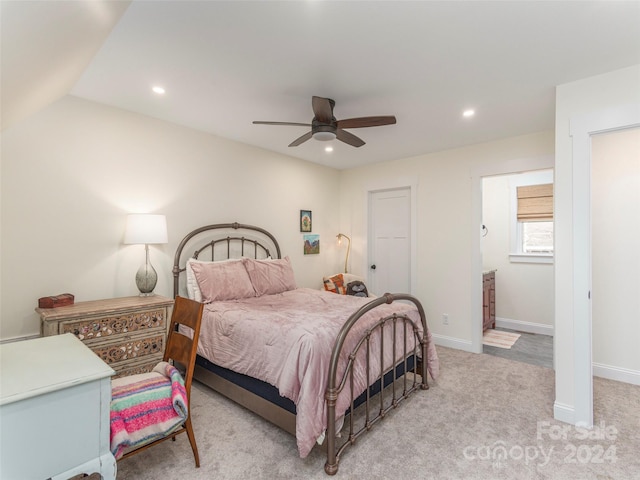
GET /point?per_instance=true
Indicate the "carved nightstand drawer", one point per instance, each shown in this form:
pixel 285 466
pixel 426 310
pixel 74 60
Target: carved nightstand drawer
pixel 127 333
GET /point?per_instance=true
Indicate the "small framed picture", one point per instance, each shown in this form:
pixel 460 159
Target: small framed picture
pixel 311 244
pixel 305 220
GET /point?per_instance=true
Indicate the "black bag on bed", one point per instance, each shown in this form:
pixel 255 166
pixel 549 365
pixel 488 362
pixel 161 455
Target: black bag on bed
pixel 357 289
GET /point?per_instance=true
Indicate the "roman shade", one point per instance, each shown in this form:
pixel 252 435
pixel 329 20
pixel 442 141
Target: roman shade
pixel 535 203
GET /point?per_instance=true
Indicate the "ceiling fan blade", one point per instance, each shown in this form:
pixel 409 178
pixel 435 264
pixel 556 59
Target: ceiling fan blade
pixel 367 122
pixel 323 109
pixel 282 123
pixel 349 138
pixel 301 139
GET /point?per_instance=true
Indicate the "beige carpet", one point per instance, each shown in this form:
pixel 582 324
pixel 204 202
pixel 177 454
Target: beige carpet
pixel 485 418
pixel 498 338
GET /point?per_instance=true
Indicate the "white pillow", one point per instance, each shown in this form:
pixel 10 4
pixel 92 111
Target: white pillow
pixel 193 290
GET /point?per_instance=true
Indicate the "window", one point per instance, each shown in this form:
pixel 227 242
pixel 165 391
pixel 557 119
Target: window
pixel 537 237
pixel 535 216
pixel 532 218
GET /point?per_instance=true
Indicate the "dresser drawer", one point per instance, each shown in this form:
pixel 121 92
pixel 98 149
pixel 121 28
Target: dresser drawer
pixel 128 347
pixel 141 365
pixel 95 328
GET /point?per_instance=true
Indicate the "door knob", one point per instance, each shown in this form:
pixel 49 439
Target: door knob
pixel 373 267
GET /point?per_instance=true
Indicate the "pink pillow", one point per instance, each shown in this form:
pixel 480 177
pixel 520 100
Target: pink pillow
pixel 270 276
pixel 223 281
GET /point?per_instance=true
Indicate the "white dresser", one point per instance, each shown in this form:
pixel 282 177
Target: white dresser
pixel 55 395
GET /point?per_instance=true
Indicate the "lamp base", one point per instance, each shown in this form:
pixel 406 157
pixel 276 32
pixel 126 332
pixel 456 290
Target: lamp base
pixel 146 279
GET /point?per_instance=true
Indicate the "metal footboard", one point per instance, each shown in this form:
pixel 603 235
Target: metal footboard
pixel 336 385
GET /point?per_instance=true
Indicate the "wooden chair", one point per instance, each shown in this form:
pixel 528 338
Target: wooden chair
pixel 181 351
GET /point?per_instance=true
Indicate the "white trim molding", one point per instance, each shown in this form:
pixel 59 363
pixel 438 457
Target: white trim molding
pixel 530 258
pixel 564 413
pixel 452 342
pixel 522 326
pixel 618 374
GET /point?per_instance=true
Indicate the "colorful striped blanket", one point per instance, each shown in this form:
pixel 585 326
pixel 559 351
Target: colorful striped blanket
pixel 146 407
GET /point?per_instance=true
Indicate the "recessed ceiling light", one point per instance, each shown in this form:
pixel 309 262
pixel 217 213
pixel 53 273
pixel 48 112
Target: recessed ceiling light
pixel 468 113
pixel 157 89
pixel 328 149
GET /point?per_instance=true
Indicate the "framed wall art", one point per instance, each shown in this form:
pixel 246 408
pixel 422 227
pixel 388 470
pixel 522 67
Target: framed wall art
pixel 305 220
pixel 311 244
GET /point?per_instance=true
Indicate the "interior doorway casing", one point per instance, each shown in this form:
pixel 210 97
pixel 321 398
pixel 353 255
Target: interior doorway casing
pixel 510 167
pixel 582 128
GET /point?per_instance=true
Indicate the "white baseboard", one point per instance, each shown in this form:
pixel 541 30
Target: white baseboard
pixel 522 326
pixel 452 342
pixel 564 413
pixel 616 373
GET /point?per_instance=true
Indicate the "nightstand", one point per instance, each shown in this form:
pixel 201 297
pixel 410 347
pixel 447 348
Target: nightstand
pixel 128 333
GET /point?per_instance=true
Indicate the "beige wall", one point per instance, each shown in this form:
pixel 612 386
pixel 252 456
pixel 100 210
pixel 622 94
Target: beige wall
pixel 72 172
pixel 444 223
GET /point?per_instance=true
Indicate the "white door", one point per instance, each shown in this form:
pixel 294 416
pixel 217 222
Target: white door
pixel 390 241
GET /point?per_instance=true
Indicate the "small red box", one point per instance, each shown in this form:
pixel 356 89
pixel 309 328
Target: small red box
pixel 58 301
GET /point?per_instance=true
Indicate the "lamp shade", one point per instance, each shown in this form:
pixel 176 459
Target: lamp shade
pixel 146 229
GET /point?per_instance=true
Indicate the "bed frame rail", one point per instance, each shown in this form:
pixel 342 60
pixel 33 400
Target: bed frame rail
pixel 363 346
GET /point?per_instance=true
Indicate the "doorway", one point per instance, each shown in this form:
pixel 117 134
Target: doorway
pixel 578 361
pixel 517 259
pixel 509 167
pixel 615 236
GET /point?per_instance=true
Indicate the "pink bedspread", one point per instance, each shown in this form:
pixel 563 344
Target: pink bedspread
pixel 286 340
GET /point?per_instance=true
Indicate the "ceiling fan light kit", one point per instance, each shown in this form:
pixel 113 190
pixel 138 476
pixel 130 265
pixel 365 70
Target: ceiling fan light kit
pixel 325 127
pixel 324 136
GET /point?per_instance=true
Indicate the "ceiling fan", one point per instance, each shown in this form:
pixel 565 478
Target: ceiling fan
pixel 324 125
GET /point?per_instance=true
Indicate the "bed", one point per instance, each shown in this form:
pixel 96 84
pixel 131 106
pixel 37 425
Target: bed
pixel 304 359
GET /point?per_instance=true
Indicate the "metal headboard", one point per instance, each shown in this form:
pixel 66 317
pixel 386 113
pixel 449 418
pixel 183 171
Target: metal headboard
pixel 256 246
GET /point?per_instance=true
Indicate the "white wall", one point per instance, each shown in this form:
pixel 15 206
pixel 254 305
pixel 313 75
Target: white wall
pixel 445 208
pixel 524 291
pixel 587 96
pixel 72 172
pixel 615 216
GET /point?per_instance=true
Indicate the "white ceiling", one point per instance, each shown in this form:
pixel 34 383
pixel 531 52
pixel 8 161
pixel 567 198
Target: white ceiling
pixel 45 48
pixel 227 63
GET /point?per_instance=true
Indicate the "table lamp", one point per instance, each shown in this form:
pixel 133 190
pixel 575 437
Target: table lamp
pixel 146 229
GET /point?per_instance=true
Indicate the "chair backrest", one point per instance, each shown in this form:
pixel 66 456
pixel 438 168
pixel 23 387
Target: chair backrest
pixel 180 348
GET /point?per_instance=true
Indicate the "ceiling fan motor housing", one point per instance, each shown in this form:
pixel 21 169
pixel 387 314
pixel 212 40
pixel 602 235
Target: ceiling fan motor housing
pixel 322 131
